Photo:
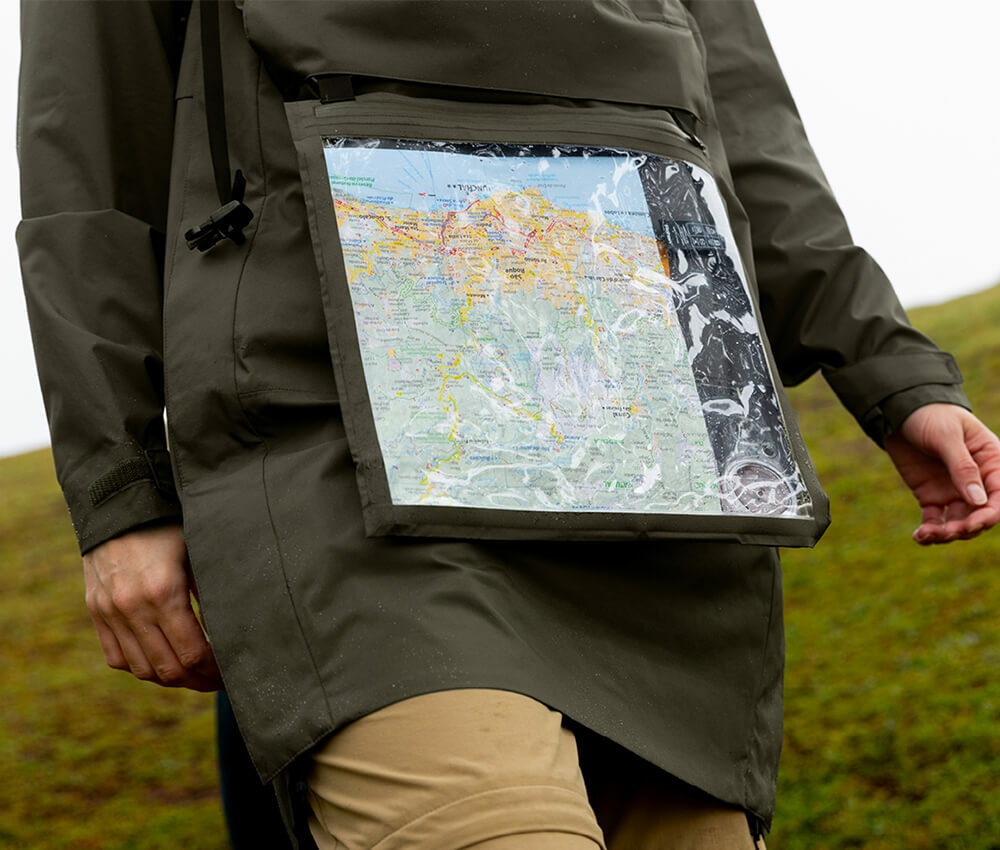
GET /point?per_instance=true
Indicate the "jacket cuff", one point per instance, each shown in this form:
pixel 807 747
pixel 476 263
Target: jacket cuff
pixel 136 491
pixel 883 419
pixel 882 391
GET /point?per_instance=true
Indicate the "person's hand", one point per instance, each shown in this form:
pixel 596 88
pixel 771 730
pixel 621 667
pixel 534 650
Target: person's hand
pixel 951 462
pixel 138 590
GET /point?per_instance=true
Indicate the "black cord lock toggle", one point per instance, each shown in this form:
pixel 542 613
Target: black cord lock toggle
pixel 227 222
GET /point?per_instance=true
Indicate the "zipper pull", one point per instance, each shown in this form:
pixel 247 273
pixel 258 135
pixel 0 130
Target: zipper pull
pixel 687 123
pixel 331 88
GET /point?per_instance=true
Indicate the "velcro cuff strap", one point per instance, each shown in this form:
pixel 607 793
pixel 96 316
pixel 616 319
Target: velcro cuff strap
pixel 153 465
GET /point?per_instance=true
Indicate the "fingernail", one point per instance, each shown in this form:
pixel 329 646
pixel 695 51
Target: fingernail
pixel 976 494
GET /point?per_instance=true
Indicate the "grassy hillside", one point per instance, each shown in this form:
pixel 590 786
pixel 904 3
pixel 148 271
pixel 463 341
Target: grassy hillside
pixel 892 694
pixel 89 757
pixel 893 697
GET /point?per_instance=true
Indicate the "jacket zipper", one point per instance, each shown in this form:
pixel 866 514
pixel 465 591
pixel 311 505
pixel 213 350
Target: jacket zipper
pixel 681 129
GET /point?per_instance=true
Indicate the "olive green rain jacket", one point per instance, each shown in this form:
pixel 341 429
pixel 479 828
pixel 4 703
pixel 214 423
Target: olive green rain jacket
pixel 672 648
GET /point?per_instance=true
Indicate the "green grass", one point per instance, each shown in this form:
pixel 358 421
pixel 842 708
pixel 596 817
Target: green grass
pixel 892 694
pixel 892 739
pixel 89 757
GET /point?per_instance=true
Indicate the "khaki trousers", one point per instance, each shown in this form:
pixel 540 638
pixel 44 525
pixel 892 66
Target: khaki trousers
pixel 494 770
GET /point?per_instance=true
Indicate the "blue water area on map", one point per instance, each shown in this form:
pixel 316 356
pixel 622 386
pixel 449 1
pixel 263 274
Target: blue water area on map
pixel 434 181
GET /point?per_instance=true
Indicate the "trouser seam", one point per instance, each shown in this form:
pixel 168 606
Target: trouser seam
pixel 400 831
pixel 531 832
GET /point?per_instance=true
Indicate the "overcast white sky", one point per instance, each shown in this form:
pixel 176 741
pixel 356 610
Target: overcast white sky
pixel 898 97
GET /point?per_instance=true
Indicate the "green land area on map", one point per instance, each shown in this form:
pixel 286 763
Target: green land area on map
pixel 523 354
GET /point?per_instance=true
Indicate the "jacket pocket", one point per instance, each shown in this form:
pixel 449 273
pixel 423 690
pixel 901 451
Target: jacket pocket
pixel 279 332
pixel 540 326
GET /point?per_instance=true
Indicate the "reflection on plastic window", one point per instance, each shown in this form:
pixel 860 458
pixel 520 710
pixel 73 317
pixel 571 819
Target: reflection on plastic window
pixel 557 328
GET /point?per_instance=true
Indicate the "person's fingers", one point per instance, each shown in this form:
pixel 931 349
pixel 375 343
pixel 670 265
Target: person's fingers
pixel 188 644
pixel 167 667
pixel 112 650
pixel 163 641
pixel 961 523
pixel 149 656
pixel 977 521
pixel 121 649
pixel 932 522
pixel 985 448
pixel 139 664
pixel 170 599
pixel 197 673
pixel 932 514
pixel 935 537
pixel 963 470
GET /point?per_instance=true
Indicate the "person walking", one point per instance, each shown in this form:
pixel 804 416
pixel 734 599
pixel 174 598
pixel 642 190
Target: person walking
pixel 478 454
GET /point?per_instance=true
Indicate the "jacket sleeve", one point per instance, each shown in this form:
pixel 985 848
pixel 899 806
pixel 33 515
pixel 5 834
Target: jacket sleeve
pixel 95 126
pixel 825 303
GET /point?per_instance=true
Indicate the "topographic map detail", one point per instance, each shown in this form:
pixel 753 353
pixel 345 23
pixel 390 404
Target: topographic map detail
pixel 518 329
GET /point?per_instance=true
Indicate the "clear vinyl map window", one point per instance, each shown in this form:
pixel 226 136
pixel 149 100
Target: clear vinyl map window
pixel 557 328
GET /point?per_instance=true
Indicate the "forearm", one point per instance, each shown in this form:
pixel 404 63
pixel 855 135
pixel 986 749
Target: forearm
pixel 94 140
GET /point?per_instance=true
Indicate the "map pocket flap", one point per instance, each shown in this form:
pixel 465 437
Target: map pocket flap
pixel 541 328
pixel 630 52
